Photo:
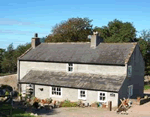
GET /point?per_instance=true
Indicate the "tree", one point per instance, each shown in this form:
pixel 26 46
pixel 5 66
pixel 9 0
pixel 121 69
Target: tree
pixel 117 31
pixel 2 51
pixel 145 34
pixel 9 59
pixel 7 62
pixel 72 30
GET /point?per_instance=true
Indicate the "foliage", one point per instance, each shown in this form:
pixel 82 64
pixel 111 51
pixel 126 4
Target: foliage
pixel 117 31
pixel 20 94
pixel 146 87
pixel 72 30
pixel 8 58
pixel 49 100
pixel 6 93
pixel 5 74
pixel 145 35
pixel 67 103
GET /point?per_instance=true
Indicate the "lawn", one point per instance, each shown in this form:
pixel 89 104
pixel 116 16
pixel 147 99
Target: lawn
pixel 15 111
pixel 5 74
pixel 146 87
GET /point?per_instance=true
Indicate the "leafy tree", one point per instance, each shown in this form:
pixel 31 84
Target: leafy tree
pixel 145 34
pixel 72 30
pixel 7 62
pixel 9 59
pixel 42 40
pixel 117 31
pixel 2 51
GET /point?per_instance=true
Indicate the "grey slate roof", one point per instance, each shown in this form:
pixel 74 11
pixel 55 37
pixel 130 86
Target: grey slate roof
pixel 74 80
pixel 105 53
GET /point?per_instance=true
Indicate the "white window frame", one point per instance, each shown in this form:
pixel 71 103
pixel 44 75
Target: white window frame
pixel 51 95
pixel 82 98
pixel 99 96
pixel 130 91
pixel 129 68
pixel 70 66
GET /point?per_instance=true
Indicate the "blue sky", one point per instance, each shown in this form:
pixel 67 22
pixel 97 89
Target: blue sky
pixel 20 19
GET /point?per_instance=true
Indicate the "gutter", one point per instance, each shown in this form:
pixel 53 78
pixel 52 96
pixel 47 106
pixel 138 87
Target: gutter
pixel 67 87
pixel 73 62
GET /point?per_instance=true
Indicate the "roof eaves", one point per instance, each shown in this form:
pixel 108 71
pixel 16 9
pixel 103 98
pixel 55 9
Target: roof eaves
pixel 67 86
pixel 73 62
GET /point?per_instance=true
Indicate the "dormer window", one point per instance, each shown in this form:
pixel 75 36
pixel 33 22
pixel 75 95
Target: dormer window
pixel 70 67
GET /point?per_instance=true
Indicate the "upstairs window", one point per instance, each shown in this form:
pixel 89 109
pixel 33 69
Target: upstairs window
pixel 70 67
pixel 129 71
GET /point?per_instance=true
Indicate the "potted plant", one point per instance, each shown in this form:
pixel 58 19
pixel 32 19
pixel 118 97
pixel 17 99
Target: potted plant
pixel 20 96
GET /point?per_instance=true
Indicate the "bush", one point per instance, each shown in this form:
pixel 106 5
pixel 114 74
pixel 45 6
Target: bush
pixel 67 103
pixel 49 100
pixel 146 87
pixel 6 93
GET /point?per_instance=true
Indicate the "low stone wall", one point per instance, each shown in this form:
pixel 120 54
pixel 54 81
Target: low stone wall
pixel 143 100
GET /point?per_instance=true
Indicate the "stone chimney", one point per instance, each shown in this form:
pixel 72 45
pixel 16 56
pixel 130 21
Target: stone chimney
pixel 95 40
pixel 35 41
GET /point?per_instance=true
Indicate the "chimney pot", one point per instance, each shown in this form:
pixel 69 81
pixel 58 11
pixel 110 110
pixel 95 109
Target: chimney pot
pixel 36 34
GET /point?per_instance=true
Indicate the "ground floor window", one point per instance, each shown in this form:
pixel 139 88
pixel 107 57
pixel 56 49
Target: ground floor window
pixel 102 96
pixel 82 94
pixel 130 90
pixel 56 91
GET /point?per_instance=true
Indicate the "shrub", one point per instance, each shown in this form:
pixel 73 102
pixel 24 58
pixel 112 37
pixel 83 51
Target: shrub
pixel 49 100
pixel 67 103
pixel 6 93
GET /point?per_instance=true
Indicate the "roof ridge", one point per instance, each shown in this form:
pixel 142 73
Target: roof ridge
pixel 123 43
pixel 67 43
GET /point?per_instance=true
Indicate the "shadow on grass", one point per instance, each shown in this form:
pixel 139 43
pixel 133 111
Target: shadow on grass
pixel 21 109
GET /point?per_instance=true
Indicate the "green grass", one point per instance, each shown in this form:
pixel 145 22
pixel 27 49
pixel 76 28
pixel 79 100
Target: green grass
pixel 5 74
pixel 15 112
pixel 146 87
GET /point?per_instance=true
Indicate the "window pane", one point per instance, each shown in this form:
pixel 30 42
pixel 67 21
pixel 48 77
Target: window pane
pixel 100 98
pixel 103 98
pixel 83 95
pixel 100 93
pixel 71 69
pixel 103 94
pixel 59 93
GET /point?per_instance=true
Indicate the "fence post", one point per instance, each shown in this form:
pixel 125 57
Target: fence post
pixel 11 101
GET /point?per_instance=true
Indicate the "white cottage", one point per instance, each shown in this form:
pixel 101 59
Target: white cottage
pixel 92 72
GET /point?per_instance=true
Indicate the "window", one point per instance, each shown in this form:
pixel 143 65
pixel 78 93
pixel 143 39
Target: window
pixel 102 96
pixel 70 67
pixel 129 71
pixel 130 90
pixel 56 91
pixel 82 94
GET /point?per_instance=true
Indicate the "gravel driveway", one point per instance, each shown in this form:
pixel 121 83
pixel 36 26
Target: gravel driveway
pixel 136 111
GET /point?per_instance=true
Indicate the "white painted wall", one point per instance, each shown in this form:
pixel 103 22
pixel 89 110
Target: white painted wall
pixel 72 95
pixel 26 66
